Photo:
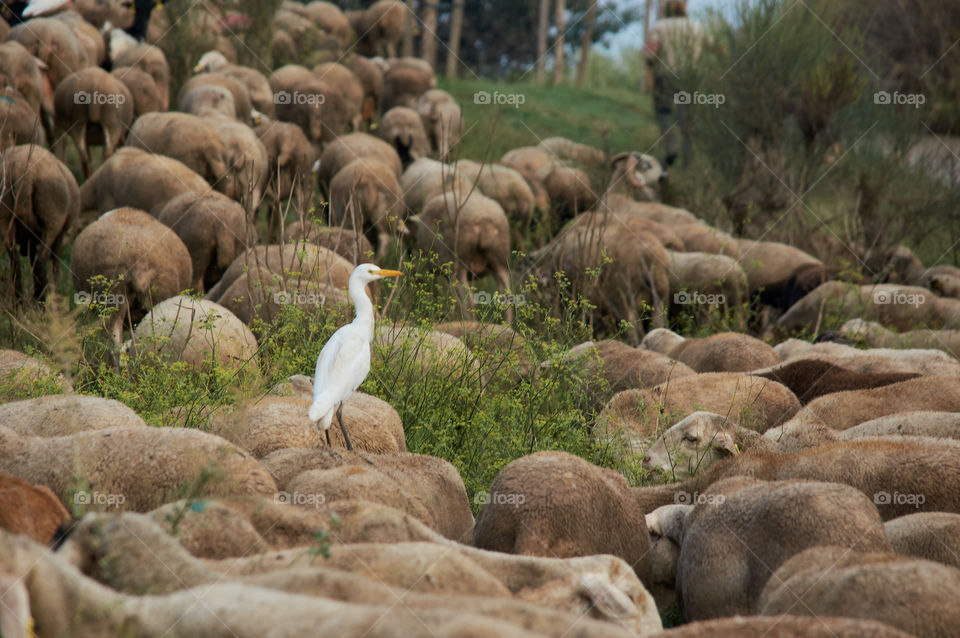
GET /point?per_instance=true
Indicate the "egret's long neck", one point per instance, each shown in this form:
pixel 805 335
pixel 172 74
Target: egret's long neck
pixel 363 305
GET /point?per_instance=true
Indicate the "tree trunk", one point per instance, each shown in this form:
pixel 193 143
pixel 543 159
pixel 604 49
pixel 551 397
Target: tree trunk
pixel 561 25
pixel 456 26
pixel 428 35
pixel 409 27
pixel 590 21
pixel 647 14
pixel 542 27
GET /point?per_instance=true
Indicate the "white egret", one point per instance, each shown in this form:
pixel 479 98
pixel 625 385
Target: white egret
pixel 344 362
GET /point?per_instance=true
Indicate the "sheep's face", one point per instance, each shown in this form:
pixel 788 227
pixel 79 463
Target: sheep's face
pixel 691 446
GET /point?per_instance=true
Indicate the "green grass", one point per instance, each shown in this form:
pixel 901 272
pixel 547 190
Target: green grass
pixel 613 121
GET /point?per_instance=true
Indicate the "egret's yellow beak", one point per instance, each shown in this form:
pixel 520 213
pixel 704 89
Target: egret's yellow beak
pixel 389 273
pixel 197 68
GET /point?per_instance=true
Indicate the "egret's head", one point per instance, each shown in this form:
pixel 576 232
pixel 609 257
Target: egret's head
pixel 367 273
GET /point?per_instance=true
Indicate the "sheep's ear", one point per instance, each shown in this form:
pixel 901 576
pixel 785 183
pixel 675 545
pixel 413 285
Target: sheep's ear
pixel 15 618
pixel 612 603
pixel 724 441
pixel 619 157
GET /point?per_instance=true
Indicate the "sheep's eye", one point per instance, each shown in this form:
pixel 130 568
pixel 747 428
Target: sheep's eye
pixel 691 439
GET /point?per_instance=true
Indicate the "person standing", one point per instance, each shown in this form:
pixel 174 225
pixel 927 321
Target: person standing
pixel 673 42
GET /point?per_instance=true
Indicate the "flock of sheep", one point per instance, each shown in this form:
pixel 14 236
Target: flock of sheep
pixel 814 487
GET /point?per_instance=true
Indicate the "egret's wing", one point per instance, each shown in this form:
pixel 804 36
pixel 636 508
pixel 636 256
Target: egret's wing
pixel 341 367
pixel 39 7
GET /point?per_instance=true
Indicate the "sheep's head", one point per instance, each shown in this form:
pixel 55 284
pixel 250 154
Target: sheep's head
pixel 692 445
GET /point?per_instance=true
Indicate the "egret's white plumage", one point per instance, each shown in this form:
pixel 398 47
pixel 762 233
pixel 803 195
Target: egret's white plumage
pixel 344 362
pixel 40 7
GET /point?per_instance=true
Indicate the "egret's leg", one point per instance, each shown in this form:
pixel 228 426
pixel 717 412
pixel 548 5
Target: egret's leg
pixel 343 429
pixel 327 432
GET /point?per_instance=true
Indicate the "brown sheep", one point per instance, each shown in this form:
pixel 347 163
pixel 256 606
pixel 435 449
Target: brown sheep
pixel 142 88
pixel 754 403
pixel 874 335
pixel 842 410
pixel 916 596
pixel 770 267
pixel 39 202
pixel 19 123
pixel 571 152
pixel 150 60
pixel 208 97
pixel 348 85
pixel 247 162
pixel 258 88
pixel 630 222
pixel 350 147
pixel 138 179
pixel 931 535
pixel 30 510
pixel 141 467
pixel 809 379
pixel 636 175
pixel 944 425
pixel 349 244
pixel 405 81
pixel 188 138
pixel 379 28
pixel 402 128
pixel 875 360
pixel 197 332
pixel 475 236
pixel 896 474
pixel 661 213
pixel 290 158
pixel 725 352
pixel 142 262
pixel 313 104
pixel 66 414
pixel 707 239
pixel 371 77
pixel 425 179
pixel 331 20
pixel 704 284
pixel 442 120
pixel 242 105
pixel 784 627
pixel 568 188
pixel 558 505
pixel 365 196
pixel 55 43
pixel 22 71
pixel 214 230
pixel 741 530
pixel 529 160
pixel 504 185
pixel 275 423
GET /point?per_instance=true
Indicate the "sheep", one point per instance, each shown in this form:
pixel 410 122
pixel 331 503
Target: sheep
pixel 20 373
pixel 402 128
pixel 20 70
pixel 92 101
pixel 214 230
pixel 242 106
pixel 275 423
pixel 426 178
pixel 442 120
pixel 247 162
pixel 568 188
pixel 529 160
pixel 261 95
pixel 875 335
pixel 612 366
pixel 217 610
pixel 528 512
pixel 896 473
pixel 188 138
pixel 630 222
pixel 257 298
pixel 140 467
pixel 55 43
pixel 703 284
pixel 635 416
pixel 809 379
pixel 207 96
pixel 483 337
pixel 771 268
pixel 19 123
pixel 371 77
pixel 131 258
pixel 741 530
pixel 66 414
pixel 707 239
pixel 404 81
pixel 572 152
pixel 365 195
pixel 313 104
pixel 918 423
pixel 39 202
pixel 786 626
pixel 874 360
pixel 198 332
pixel 661 340
pixel 151 61
pixel 636 175
pixel 475 236
pixel 290 158
pixel 930 535
pixel 349 86
pixel 842 410
pixel 138 179
pixel 143 89
pixel 725 352
pixel 349 244
pixel 916 596
pixel 348 148
pixel 669 215
pixel 503 184
pixel 428 486
pixel 30 510
pixel 379 28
